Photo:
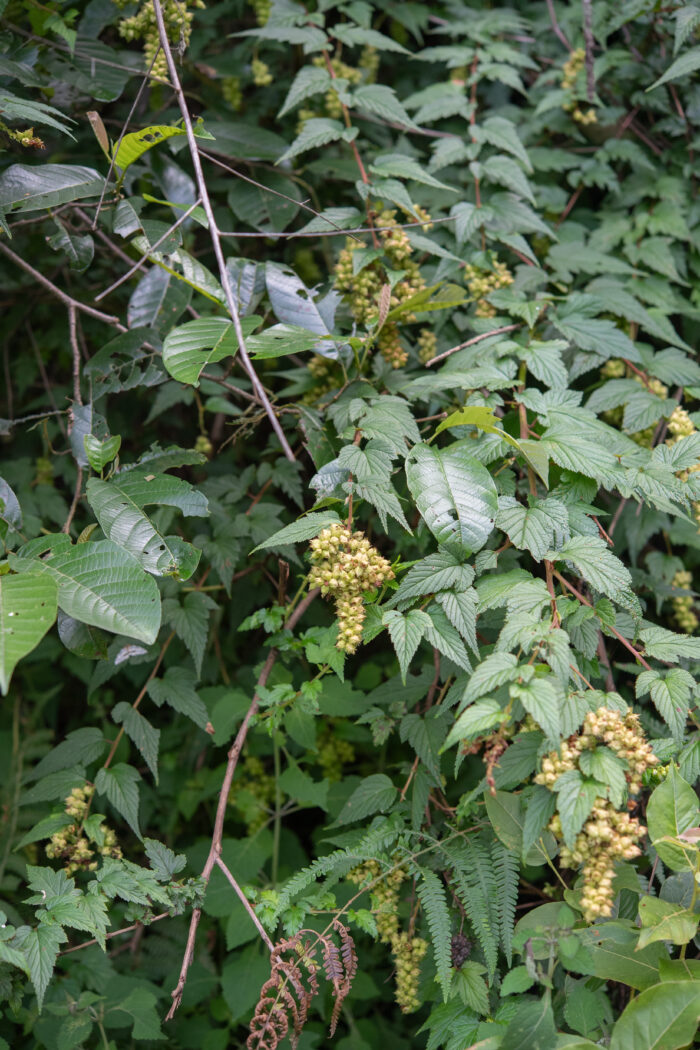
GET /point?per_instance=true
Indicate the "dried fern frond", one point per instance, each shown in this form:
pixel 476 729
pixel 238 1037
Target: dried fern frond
pixel 293 983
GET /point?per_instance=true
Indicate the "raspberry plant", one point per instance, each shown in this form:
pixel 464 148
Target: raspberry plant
pixel 349 510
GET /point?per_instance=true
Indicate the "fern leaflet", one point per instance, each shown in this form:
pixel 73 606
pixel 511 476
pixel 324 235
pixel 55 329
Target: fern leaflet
pixel 434 901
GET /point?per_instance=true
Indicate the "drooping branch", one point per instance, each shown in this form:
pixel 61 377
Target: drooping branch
pixel 214 855
pixel 214 232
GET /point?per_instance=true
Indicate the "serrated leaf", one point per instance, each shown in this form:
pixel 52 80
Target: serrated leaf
pixel 671 692
pixel 139 730
pixel 602 569
pixel 443 636
pixel 305 528
pixel 375 794
pixel 309 81
pixel 455 495
pixel 541 698
pixel 101 585
pixel 190 621
pixel 533 528
pixel 317 131
pixel 575 798
pixel 177 689
pixel 120 783
pixel 118 505
pixel 475 720
pixel 662 644
pixel 491 673
pixel 28 607
pixel 460 609
pixel 406 631
pixel 683 65
pixel 40 948
pixel 164 863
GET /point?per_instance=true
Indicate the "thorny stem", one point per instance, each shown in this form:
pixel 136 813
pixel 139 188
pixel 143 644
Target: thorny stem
pixel 218 831
pixel 214 232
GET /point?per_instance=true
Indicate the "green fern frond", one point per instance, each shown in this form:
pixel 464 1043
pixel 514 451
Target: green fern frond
pixel 434 901
pixel 474 883
pixel 506 868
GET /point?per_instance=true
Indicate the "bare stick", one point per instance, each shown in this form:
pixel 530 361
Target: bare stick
pixel 471 342
pixel 55 290
pixel 214 232
pixel 338 232
pixel 218 831
pixel 246 904
pixel 144 258
pixel 122 133
pixel 620 637
pixel 117 933
pixel 73 336
pixel 74 504
pixel 555 25
pixel 590 45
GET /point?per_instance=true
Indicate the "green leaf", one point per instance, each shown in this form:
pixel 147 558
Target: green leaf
pixel 685 64
pixel 177 689
pixel 317 131
pixel 455 495
pixel 28 608
pixel 190 621
pixel 542 700
pixel 491 673
pixel 26 187
pixel 99 584
pixel 279 341
pixel 504 812
pixel 433 898
pixel 406 631
pixel 375 794
pixel 120 784
pixel 671 810
pixel 145 736
pixel 82 746
pixel 382 100
pixel 40 948
pixel 662 644
pixel 100 453
pixel 189 348
pixel 575 798
pixel 479 416
pixel 612 953
pixel 475 720
pixel 594 560
pixel 305 528
pixel 118 505
pixel 671 693
pixel 425 734
pixel 136 143
pixel 443 636
pixel 532 1028
pixel 164 863
pixel 309 81
pixel 535 528
pixel 398 165
pixel 661 1018
pixel 663 921
pixel 516 980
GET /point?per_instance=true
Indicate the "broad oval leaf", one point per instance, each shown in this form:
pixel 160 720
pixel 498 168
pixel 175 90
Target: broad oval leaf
pixel 455 495
pixel 189 348
pixel 25 187
pixel 118 505
pixel 101 585
pixel 27 609
pixel 664 1017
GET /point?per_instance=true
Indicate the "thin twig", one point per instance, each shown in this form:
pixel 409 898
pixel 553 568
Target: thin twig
pixel 589 45
pixel 144 258
pixel 66 299
pixel 338 232
pixel 218 831
pixel 74 504
pixel 214 233
pixel 471 342
pixel 556 27
pixel 73 336
pixel 116 933
pixel 122 133
pixel 246 904
pixel 620 637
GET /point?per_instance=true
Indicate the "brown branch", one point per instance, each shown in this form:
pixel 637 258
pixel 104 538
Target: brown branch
pixel 246 904
pixel 620 637
pixel 590 45
pixel 74 503
pixel 556 27
pixel 471 342
pixel 203 192
pixel 66 299
pixel 218 831
pixel 116 933
pixel 73 336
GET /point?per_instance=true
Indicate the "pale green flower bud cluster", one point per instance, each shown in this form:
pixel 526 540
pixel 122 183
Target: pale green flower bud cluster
pixel 683 613
pixel 142 26
pixel 571 69
pixel 369 62
pixel 253 793
pixel 609 834
pixel 427 345
pixel 481 282
pixel 680 424
pixel 262 10
pixel 407 950
pixel 344 565
pixel 390 347
pixel 614 369
pixel 71 845
pixel 334 754
pixel 261 72
pixel 231 92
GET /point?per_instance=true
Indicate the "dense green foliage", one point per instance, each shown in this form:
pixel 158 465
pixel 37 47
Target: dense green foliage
pixel 350 463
